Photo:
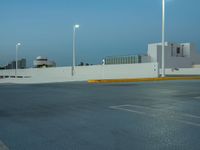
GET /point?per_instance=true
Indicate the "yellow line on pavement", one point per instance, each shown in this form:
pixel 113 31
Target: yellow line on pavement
pixel 143 79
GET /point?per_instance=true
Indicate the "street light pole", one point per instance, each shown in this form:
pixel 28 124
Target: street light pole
pixel 163 38
pixel 74 48
pixel 16 59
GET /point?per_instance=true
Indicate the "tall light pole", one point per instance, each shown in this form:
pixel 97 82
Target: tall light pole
pixel 76 26
pixel 16 59
pixel 163 38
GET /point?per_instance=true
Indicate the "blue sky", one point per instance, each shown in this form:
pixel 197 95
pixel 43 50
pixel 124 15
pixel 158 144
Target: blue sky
pixel 108 27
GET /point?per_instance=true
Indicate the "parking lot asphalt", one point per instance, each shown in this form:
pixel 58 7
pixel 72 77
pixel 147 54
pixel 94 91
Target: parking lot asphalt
pixel 81 116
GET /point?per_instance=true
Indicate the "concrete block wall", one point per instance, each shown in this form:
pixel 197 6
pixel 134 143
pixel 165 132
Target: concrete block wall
pixel 82 73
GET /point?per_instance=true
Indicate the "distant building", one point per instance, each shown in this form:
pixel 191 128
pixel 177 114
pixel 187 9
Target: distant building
pixel 130 59
pixel 183 55
pixel 21 64
pixel 41 62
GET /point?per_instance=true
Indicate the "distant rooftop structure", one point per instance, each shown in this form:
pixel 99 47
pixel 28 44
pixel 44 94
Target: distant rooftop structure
pixel 177 55
pixel 41 62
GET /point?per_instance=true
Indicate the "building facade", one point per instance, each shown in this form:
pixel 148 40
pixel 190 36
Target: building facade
pixel 21 64
pixel 183 55
pixel 177 55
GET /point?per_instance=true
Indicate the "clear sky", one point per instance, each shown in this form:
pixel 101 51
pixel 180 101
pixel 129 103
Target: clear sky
pixel 107 27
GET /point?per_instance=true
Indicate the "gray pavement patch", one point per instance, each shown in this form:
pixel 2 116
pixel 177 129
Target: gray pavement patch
pixel 3 146
pixel 76 116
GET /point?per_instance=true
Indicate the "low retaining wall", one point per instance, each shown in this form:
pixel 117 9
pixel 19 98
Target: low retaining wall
pixel 82 73
pixel 183 72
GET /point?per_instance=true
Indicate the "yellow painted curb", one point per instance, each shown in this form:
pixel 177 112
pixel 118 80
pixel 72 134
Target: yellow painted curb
pixel 143 79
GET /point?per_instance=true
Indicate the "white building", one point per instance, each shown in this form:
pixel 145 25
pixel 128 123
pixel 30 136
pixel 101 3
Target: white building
pixel 182 55
pixel 43 62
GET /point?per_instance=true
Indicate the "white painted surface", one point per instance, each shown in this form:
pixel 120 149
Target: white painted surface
pixel 154 112
pixel 3 146
pixel 82 73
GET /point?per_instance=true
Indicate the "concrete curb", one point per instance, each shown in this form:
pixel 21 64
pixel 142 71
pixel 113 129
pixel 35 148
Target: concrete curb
pixel 143 79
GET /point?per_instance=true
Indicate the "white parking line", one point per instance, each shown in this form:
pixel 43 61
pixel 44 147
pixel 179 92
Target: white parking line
pixel 117 106
pixel 142 112
pixel 129 110
pixel 188 123
pixel 136 106
pixel 153 109
pixel 190 115
pixel 3 146
pixel 198 97
pixel 128 105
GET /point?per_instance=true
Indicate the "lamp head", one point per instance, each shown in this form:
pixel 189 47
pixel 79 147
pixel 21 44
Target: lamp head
pixel 76 26
pixel 18 44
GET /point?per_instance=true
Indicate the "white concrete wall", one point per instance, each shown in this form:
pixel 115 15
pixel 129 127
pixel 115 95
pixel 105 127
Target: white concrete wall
pixel 82 73
pixel 187 49
pixel 153 52
pixel 195 56
pixel 183 72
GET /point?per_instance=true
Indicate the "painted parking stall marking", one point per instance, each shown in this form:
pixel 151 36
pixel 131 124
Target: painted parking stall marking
pixel 3 146
pixel 169 114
